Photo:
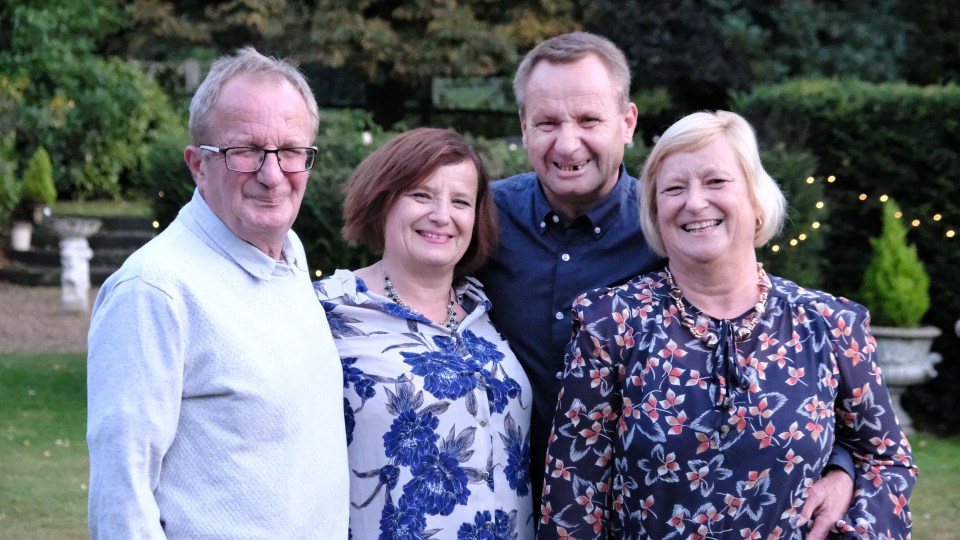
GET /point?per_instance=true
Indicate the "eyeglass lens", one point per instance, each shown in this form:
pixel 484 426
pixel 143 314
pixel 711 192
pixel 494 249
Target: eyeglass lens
pixel 251 159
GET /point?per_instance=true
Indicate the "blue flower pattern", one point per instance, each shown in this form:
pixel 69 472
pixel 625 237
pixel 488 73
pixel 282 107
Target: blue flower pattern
pixel 437 421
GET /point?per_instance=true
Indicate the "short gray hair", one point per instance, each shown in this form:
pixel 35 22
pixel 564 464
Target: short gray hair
pixel 567 49
pixel 693 132
pixel 250 62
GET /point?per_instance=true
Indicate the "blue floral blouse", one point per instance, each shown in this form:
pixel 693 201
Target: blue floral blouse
pixel 658 435
pixel 437 420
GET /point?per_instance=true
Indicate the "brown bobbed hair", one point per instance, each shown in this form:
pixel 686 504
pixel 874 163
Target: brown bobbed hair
pixel 405 162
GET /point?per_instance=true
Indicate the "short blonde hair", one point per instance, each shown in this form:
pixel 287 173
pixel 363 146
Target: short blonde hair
pixel 693 132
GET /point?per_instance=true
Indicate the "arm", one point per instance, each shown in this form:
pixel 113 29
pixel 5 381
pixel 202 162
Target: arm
pixel 867 426
pixel 579 470
pixel 134 383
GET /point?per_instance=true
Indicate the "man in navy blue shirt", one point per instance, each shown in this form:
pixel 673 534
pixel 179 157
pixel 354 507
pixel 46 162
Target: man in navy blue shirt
pixel 573 224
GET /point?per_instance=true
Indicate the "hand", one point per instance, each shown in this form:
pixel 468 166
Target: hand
pixel 827 503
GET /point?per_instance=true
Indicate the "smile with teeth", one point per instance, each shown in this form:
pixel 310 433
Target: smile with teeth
pixel 701 225
pixel 572 168
pixel 435 236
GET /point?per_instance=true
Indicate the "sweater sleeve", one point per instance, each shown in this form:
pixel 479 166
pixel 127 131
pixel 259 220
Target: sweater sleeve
pixel 134 384
pixel 867 426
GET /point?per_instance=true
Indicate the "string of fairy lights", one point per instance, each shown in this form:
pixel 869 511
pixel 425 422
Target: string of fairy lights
pixel 935 219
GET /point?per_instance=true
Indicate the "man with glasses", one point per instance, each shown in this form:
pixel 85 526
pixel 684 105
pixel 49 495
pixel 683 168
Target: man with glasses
pixel 215 400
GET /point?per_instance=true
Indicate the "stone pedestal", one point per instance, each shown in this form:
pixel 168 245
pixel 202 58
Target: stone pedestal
pixel 905 359
pixel 75 255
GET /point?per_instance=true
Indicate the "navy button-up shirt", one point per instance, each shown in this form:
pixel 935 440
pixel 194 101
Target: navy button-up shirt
pixel 542 265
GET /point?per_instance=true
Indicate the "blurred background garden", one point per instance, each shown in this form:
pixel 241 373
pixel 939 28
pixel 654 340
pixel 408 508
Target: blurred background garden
pixel 855 102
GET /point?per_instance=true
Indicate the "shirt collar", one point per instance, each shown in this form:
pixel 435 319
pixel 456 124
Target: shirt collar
pixel 600 218
pixel 218 236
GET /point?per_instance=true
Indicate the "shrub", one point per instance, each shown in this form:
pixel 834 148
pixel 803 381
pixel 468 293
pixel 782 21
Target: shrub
pixel 38 187
pixel 895 286
pixel 166 178
pixel 798 255
pixel 889 139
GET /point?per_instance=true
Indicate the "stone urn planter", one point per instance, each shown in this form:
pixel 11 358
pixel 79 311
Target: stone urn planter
pixel 75 255
pixel 21 235
pixel 905 359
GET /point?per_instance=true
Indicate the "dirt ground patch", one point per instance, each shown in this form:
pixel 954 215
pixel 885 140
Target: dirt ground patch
pixel 31 321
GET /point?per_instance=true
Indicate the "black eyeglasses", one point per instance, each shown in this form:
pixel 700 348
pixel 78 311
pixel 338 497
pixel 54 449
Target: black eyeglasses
pixel 249 159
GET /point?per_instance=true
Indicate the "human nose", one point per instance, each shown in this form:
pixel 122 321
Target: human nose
pixel 440 211
pixel 696 198
pixel 568 138
pixel 270 172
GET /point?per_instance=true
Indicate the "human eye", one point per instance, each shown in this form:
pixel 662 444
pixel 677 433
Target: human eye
pixel 589 121
pixel 462 203
pixel 717 182
pixel 293 153
pixel 420 196
pixel 245 152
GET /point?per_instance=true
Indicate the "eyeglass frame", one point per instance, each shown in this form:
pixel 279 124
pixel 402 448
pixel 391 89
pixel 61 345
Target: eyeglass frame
pixel 223 151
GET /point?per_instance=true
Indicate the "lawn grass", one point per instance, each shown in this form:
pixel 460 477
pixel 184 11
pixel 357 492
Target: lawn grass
pixel 44 466
pixel 43 449
pixel 136 208
pixel 935 503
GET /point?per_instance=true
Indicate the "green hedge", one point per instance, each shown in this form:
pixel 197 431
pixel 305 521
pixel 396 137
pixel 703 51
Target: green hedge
pixel 881 139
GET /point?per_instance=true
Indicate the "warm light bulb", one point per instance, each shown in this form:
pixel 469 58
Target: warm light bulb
pixel 883 198
pixel 318 273
pixel 951 233
pixel 160 194
pixel 775 248
pixel 820 204
pixel 793 241
pixel 809 179
pixel 816 225
pixel 937 217
pixel 831 178
pixel 898 215
pixel 915 223
pixel 863 196
pixel 156 224
pixel 802 236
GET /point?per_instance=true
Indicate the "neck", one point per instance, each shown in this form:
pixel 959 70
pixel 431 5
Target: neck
pixel 722 294
pixel 429 295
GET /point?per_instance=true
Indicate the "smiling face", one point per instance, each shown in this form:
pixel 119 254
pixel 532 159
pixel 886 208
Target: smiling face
pixel 574 128
pixel 705 212
pixel 258 207
pixel 429 227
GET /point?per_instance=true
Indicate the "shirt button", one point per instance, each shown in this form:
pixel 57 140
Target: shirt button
pixel 543 224
pixel 724 430
pixel 596 230
pixel 485 475
pixel 483 423
pixel 559 315
pixel 565 257
pixel 558 375
pixel 489 525
pixel 556 218
pixel 478 376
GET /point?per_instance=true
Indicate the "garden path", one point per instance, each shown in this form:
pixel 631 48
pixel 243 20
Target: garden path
pixel 31 321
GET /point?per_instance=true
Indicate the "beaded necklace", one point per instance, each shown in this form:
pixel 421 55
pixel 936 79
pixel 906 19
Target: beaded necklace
pixel 450 323
pixel 742 333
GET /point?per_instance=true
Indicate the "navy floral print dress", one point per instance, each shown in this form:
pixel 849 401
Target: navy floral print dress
pixel 437 420
pixel 659 435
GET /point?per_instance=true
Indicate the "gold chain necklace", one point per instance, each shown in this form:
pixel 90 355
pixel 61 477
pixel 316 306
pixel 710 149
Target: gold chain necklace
pixel 450 323
pixel 742 333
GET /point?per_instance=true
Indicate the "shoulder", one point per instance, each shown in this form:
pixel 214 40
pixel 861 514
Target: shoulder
pixel 645 290
pixel 342 284
pixel 508 189
pixel 817 303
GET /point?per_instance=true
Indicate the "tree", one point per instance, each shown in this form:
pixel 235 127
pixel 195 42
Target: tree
pixel 399 47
